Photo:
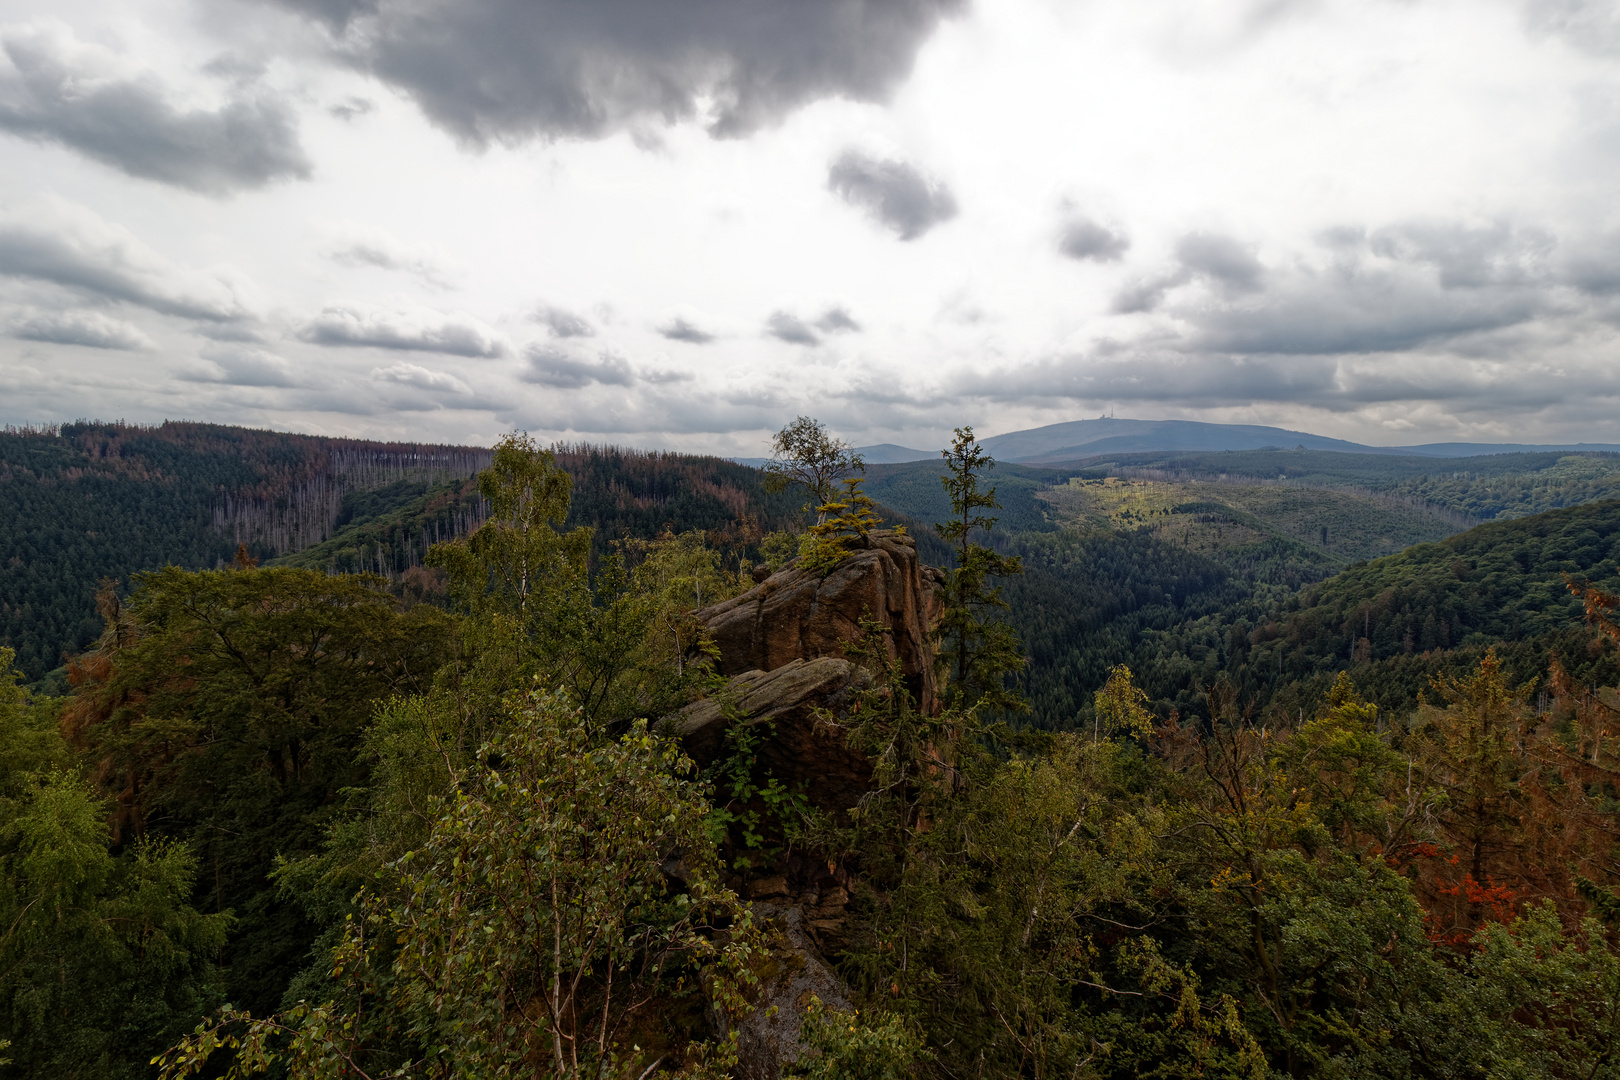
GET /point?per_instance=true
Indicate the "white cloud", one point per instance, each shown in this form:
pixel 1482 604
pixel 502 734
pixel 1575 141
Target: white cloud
pixel 82 95
pixel 237 365
pixel 354 245
pixel 88 328
pixel 408 374
pixel 409 329
pixel 73 247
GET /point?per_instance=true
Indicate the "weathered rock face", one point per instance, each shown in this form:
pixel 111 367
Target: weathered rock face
pixel 769 1036
pixel 784 644
pixel 802 751
pixel 796 614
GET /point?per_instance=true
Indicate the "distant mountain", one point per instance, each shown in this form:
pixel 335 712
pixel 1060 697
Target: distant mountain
pixel 879 454
pixel 1084 438
pixel 890 454
pixel 1079 439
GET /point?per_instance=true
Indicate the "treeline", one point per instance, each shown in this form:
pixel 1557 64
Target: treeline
pixel 1478 488
pixel 91 501
pixel 1256 618
pixel 408 841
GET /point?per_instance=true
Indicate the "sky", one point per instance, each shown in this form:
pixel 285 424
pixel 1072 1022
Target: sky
pixel 682 224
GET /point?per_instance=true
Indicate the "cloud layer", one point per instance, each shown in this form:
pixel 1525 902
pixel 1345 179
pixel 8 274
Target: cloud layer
pixel 685 223
pixel 88 328
pixel 72 247
pixel 64 91
pixel 506 70
pixel 416 329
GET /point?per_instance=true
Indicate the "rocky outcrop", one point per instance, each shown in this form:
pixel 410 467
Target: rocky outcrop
pixel 803 751
pixel 769 1036
pixel 785 645
pixel 797 614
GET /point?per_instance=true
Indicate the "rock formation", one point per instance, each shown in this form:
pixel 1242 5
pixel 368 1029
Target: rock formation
pixel 800 752
pixel 785 645
pixel 796 614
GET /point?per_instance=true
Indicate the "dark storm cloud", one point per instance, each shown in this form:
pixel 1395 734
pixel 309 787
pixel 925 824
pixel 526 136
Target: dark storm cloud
pixel 836 320
pixel 683 330
pixel 507 70
pixel 896 194
pixel 1084 239
pixel 550 366
pixel 413 331
pixel 128 123
pixel 87 328
pixel 91 256
pixel 791 329
pixel 562 322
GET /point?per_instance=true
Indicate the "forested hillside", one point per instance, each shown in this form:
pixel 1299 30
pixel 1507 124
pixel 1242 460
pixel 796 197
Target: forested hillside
pixel 436 819
pixel 1195 568
pixel 92 501
pixel 89 501
pixel 1478 488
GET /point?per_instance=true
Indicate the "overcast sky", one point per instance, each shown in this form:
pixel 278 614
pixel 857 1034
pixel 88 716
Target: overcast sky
pixel 681 224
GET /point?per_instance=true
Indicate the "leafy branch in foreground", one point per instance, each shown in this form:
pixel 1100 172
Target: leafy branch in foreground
pixel 562 916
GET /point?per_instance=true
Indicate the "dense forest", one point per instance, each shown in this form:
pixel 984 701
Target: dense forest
pixel 91 501
pixel 355 767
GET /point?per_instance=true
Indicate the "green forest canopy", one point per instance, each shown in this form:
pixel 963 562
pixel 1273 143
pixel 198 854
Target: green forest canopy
pixel 1298 872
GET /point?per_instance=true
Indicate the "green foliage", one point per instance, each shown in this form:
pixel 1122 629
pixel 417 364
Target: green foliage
pixel 913 489
pixel 759 811
pixel 94 501
pixel 777 548
pixel 564 884
pixel 103 961
pixel 845 1047
pixel 224 707
pixel 389 529
pixel 1254 863
pixel 840 524
pixel 1121 706
pixel 1497 486
pixel 1548 1001
pixel 977 649
pixel 535 611
pixel 807 456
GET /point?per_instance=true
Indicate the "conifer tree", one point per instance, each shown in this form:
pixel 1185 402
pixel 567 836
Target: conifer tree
pixel 977 651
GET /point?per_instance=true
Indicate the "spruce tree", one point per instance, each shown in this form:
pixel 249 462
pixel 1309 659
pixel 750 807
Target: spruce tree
pixel 977 650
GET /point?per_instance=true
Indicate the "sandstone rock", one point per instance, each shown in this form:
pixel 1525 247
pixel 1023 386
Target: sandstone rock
pixel 796 614
pixel 833 896
pixel 767 1040
pixel 802 750
pixel 760 888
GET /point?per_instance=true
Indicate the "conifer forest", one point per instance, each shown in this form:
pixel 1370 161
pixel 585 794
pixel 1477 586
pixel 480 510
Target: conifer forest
pixel 330 758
